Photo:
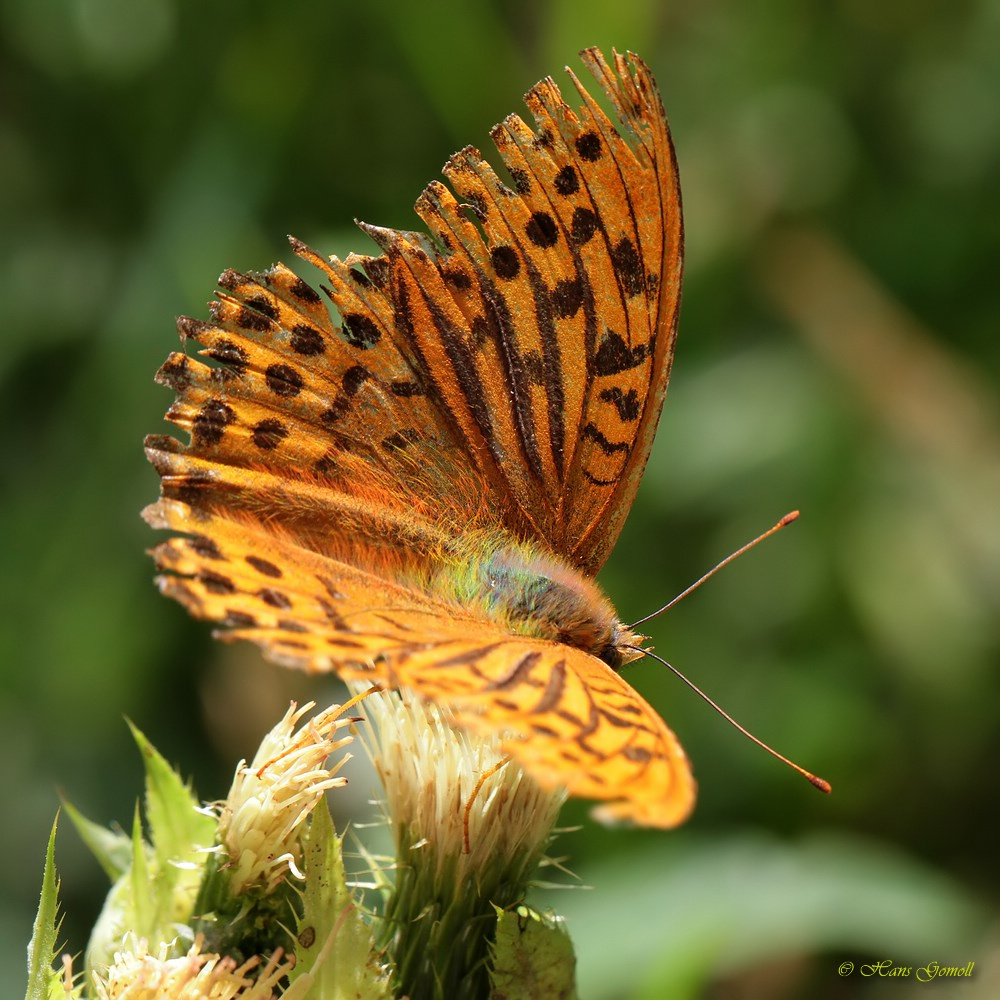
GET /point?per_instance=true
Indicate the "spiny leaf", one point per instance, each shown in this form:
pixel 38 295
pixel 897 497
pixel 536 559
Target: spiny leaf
pixel 178 827
pixel 143 901
pixel 532 957
pixel 43 979
pixel 335 957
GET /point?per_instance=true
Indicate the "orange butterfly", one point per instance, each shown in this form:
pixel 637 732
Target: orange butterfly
pixel 420 494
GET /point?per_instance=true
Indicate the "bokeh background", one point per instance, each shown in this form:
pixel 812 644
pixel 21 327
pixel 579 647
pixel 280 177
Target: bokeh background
pixel 839 353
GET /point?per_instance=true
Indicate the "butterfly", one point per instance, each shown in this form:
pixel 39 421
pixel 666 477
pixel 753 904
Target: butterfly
pixel 417 488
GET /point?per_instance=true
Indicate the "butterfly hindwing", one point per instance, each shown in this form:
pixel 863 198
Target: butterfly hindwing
pixel 564 715
pixel 567 718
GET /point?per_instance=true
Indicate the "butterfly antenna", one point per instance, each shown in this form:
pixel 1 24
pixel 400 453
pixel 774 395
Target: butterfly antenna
pixel 821 783
pixel 787 519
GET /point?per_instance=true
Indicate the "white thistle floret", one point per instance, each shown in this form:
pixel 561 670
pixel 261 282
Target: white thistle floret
pixel 431 774
pixel 136 974
pixel 271 797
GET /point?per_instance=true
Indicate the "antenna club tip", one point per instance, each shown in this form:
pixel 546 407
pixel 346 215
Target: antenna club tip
pixel 821 783
pixel 789 517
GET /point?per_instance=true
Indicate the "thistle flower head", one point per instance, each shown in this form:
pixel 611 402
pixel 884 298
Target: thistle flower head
pixel 471 829
pixel 270 798
pixel 458 793
pixel 136 974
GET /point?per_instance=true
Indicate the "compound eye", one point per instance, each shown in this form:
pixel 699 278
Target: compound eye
pixel 612 656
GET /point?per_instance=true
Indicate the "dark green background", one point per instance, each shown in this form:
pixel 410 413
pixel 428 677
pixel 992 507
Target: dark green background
pixel 839 352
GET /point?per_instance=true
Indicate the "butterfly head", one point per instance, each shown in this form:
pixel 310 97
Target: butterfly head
pixel 625 646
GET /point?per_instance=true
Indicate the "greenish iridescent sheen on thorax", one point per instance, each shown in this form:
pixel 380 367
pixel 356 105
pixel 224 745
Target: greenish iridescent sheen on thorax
pixel 530 591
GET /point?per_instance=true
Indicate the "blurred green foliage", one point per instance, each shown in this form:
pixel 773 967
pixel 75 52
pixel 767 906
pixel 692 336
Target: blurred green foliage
pixel 839 352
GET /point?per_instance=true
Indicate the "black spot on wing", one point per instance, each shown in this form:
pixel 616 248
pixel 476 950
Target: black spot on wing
pixel 533 367
pixel 542 230
pixel 476 203
pixel 303 292
pixel 275 598
pixel 264 566
pixel 328 466
pixel 458 278
pixel 614 355
pixel 405 388
pixel 626 403
pixel 354 378
pixel 263 305
pixel 567 297
pixel 628 266
pixel 583 225
pixel 567 181
pixel 335 411
pixel 268 434
pixel 230 354
pixel 589 146
pixel 283 380
pixel 592 432
pixel 189 489
pixel 522 183
pixel 377 270
pixel 216 583
pixel 251 319
pixel 211 421
pixel 506 262
pixel 238 619
pixel 400 440
pixel 306 340
pixel 205 547
pixel 360 331
pixel 175 372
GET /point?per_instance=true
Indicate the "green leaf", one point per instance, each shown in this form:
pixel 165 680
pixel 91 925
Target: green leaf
pixel 138 902
pixel 131 905
pixel 112 849
pixel 142 901
pixel 532 957
pixel 43 980
pixel 157 883
pixel 166 879
pixel 335 958
pixel 110 928
pixel 178 827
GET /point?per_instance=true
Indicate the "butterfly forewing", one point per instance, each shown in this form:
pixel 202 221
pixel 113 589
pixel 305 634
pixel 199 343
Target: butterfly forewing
pixel 296 394
pixel 641 244
pixel 559 371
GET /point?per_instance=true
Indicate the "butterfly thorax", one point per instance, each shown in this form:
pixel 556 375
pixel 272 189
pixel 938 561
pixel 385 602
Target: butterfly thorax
pixel 532 592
